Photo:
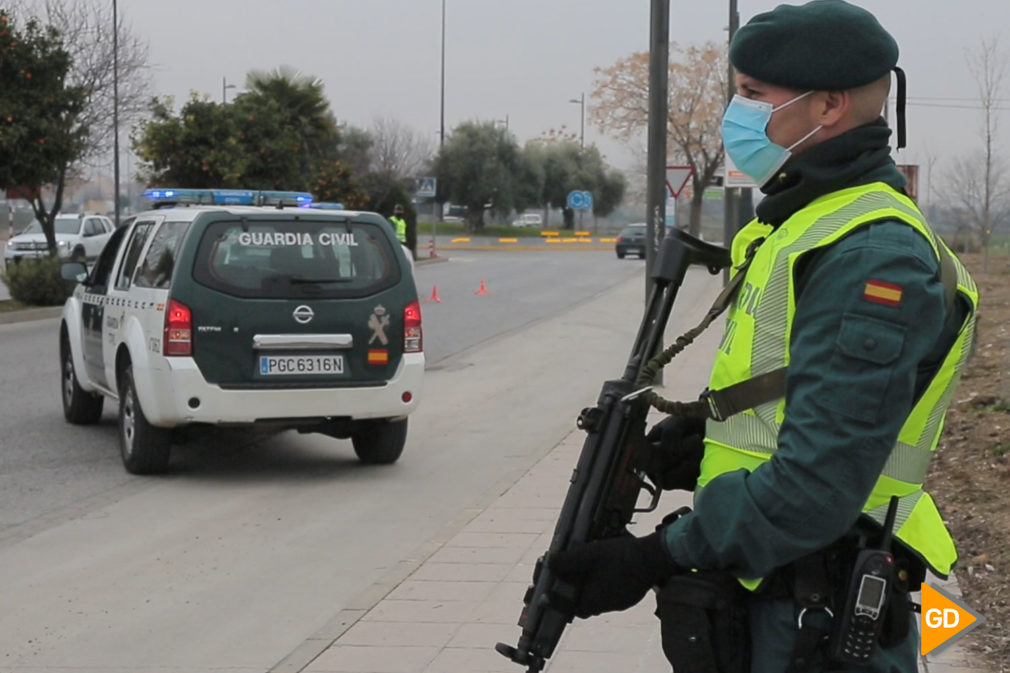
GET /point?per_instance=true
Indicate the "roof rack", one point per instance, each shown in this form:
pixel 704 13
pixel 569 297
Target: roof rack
pixel 167 197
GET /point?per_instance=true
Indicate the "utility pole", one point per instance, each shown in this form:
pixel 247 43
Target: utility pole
pixel 581 100
pixel 224 89
pixel 115 110
pixel 441 138
pixel 659 76
pixel 659 66
pixel 731 196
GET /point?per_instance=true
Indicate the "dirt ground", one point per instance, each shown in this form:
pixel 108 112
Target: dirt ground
pixel 970 476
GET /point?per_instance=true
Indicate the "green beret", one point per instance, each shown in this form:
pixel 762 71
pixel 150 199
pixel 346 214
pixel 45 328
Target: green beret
pixel 825 45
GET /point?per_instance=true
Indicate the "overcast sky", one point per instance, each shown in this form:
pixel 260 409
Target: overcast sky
pixel 525 58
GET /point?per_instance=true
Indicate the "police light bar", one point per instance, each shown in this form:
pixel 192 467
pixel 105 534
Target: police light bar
pixel 232 197
pixel 269 198
pixel 325 205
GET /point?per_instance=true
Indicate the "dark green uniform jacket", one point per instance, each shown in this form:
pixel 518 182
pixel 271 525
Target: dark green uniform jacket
pixel 813 489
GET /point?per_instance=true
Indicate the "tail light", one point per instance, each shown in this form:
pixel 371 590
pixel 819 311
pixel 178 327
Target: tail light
pixel 178 329
pixel 412 342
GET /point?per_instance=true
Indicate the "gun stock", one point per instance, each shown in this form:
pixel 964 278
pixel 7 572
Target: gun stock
pixel 605 486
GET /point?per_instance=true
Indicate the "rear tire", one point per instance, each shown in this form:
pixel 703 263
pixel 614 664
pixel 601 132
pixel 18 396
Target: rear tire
pixel 620 254
pixel 380 443
pixel 145 449
pixel 79 406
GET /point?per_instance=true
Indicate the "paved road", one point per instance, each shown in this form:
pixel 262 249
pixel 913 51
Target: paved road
pixel 252 543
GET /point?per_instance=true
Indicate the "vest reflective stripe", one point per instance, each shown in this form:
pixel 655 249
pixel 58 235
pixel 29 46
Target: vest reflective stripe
pixel 756 340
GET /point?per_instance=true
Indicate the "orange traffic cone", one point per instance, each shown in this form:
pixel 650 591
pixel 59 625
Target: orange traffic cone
pixel 483 288
pixel 434 295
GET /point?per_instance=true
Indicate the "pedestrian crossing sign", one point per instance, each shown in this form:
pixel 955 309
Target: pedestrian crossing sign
pixel 426 187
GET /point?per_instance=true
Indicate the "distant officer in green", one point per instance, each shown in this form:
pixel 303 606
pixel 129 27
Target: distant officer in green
pixel 869 318
pixel 399 223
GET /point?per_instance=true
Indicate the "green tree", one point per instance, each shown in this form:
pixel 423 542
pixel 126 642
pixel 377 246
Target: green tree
pixel 304 125
pixel 41 133
pixel 566 166
pixel 274 136
pixel 477 168
pixel 335 182
pixel 200 146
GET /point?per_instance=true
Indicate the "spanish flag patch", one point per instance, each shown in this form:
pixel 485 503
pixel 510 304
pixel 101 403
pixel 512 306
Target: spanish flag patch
pixel 378 356
pixel 882 293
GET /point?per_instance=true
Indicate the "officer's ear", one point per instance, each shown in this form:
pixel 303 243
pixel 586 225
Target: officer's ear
pixel 831 108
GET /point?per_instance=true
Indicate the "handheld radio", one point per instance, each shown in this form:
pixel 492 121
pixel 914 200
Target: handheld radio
pixel 859 626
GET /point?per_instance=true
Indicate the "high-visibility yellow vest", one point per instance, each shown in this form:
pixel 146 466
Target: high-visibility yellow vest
pixel 756 341
pixel 401 228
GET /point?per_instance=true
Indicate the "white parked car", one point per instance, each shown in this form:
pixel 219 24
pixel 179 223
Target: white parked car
pixel 529 220
pixel 79 237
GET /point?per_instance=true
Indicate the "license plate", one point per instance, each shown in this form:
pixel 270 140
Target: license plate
pixel 294 365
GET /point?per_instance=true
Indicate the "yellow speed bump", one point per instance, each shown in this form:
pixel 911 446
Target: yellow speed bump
pixel 552 240
pixel 552 234
pixel 508 240
pixel 581 233
pixel 461 240
pixel 608 240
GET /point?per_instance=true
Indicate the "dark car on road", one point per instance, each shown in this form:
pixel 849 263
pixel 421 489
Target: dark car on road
pixel 631 241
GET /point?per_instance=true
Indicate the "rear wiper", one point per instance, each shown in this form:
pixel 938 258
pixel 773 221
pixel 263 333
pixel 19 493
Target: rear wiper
pixel 315 281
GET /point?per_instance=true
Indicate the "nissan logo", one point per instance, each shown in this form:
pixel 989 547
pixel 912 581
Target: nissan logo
pixel 303 314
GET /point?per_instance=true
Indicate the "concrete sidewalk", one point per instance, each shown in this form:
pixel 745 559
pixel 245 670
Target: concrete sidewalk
pixel 443 610
pixel 464 593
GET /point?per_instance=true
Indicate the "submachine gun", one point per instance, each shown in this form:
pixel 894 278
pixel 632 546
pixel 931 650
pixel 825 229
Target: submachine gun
pixel 608 478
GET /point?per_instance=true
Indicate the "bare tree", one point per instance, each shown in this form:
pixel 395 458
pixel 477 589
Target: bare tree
pixel 697 94
pixel 85 27
pixel 398 150
pixel 980 182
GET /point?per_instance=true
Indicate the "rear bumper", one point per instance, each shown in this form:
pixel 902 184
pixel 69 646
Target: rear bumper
pixel 180 395
pixel 630 249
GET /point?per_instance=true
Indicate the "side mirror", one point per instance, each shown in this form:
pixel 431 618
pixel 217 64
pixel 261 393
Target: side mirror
pixel 74 271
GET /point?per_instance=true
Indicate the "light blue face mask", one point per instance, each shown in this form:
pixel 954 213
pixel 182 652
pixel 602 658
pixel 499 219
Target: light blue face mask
pixel 747 143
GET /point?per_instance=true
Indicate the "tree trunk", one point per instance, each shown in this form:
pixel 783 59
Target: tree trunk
pixel 697 196
pixel 47 218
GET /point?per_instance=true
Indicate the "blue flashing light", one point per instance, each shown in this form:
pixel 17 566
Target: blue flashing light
pixel 239 197
pixel 233 197
pixel 273 198
pixel 326 205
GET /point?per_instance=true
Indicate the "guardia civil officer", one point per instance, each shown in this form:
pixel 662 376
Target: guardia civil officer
pixel 867 319
pixel 399 223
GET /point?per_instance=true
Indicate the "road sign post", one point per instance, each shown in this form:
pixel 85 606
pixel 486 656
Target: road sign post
pixel 580 200
pixel 426 189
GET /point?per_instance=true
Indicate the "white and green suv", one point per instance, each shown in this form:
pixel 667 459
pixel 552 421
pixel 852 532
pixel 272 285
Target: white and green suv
pixel 206 312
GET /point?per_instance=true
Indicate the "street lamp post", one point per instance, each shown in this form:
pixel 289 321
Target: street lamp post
pixel 115 110
pixel 441 133
pixel 441 114
pixel 581 100
pixel 224 89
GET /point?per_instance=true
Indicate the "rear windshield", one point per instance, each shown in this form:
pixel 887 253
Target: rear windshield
pixel 291 259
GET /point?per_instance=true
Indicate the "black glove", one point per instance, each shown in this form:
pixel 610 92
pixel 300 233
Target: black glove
pixel 677 447
pixel 614 574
